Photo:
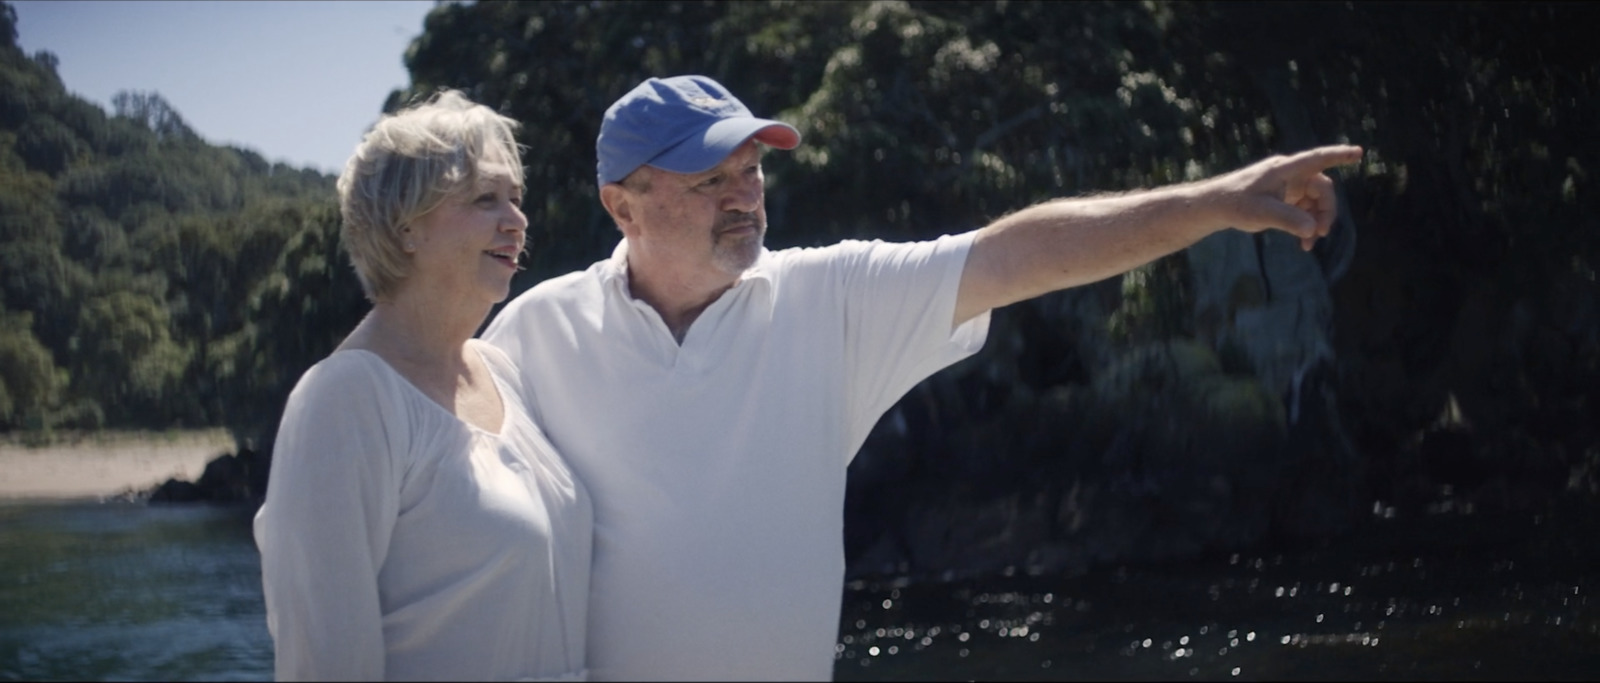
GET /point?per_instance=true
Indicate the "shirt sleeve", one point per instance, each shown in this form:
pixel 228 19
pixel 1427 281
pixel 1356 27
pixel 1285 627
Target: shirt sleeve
pixel 899 300
pixel 323 531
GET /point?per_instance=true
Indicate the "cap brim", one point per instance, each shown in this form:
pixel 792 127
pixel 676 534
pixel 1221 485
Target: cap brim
pixel 702 151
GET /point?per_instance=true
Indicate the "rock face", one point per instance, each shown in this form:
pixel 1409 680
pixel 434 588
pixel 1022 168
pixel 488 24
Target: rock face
pixel 229 478
pixel 1162 455
pixel 1237 395
pixel 1221 432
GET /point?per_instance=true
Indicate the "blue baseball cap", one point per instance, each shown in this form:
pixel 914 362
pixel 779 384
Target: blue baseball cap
pixel 684 124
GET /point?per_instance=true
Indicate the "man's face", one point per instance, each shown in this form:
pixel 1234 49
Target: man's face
pixel 715 219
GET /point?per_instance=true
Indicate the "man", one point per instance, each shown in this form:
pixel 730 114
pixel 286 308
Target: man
pixel 711 393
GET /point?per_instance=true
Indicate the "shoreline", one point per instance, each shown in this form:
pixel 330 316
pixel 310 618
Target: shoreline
pixel 101 465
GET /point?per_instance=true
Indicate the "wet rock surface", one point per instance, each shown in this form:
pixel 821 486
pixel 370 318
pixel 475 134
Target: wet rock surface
pixel 229 478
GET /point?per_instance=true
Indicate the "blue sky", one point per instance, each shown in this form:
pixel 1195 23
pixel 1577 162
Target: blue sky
pixel 296 81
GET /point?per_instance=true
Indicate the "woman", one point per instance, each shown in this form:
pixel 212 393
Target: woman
pixel 417 524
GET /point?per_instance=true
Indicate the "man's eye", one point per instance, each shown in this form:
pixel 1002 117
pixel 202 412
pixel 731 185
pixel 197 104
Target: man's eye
pixel 711 182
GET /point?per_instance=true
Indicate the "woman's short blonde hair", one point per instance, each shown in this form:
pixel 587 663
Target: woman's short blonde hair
pixel 406 166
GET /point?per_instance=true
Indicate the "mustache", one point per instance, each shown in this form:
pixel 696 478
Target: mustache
pixel 730 219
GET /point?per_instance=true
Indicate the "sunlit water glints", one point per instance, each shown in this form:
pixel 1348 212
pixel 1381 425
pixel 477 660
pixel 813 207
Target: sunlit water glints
pixel 1447 595
pixel 119 591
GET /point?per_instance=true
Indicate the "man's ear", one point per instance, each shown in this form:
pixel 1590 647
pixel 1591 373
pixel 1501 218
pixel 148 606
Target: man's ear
pixel 617 201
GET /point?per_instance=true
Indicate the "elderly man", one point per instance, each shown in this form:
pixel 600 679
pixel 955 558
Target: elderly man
pixel 711 393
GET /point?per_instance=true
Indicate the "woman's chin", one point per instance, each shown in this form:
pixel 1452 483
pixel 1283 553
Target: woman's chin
pixel 496 285
pixel 499 293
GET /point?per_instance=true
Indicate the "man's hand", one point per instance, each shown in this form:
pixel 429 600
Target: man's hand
pixel 1288 193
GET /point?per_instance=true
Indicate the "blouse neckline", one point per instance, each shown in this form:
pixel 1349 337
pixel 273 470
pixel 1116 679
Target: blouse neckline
pixel 500 391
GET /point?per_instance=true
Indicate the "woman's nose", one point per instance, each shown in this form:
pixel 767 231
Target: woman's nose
pixel 514 220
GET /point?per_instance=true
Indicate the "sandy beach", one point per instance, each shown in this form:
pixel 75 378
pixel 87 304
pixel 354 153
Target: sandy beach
pixel 106 465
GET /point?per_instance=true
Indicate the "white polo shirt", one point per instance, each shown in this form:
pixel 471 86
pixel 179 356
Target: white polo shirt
pixel 717 468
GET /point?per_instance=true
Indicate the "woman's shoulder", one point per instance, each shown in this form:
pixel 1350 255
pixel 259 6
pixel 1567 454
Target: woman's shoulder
pixel 351 397
pixel 345 372
pixel 338 384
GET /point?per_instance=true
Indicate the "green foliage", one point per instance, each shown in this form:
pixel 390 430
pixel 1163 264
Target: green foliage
pixel 127 352
pixel 130 253
pixel 28 208
pixel 557 66
pixel 918 118
pixel 45 144
pixel 8 27
pixel 921 118
pixel 297 313
pixel 29 380
pixel 151 111
pixel 1155 304
pixel 214 277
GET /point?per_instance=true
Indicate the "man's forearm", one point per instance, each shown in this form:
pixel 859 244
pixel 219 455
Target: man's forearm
pixel 1069 242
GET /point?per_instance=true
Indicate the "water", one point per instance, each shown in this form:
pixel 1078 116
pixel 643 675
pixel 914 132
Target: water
pixel 1447 596
pixel 119 591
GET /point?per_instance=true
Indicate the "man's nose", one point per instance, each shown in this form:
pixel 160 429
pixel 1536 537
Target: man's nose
pixel 745 195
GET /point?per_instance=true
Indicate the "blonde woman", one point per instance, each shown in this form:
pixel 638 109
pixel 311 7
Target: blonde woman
pixel 418 524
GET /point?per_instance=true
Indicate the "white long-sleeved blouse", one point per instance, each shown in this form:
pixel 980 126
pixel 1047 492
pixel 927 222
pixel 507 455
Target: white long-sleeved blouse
pixel 399 542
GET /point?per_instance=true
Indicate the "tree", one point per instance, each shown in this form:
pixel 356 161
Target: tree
pixel 153 112
pixel 30 382
pixel 130 247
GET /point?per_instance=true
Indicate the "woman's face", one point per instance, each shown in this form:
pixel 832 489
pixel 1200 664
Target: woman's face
pixel 466 249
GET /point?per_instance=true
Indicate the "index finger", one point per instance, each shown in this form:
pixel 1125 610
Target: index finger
pixel 1318 158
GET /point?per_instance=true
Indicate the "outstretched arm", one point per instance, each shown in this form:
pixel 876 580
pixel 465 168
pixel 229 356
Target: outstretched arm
pixel 1068 242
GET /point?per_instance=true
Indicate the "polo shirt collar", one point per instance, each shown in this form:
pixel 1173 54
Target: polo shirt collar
pixel 614 271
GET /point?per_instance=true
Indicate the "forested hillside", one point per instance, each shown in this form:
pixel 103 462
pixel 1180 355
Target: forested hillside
pixel 149 279
pixel 1444 341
